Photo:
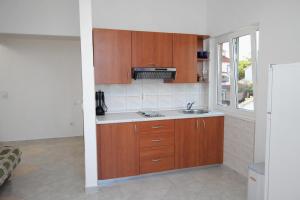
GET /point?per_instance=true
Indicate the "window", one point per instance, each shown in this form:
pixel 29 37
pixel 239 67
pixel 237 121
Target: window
pixel 224 82
pixel 236 62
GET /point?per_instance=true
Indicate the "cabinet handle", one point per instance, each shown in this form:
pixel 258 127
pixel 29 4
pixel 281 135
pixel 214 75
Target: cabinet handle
pixel 135 128
pixel 156 127
pixel 204 124
pixel 156 140
pixel 156 160
pixel 197 123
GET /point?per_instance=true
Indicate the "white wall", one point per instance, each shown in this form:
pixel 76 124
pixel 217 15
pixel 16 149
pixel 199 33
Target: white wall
pixel 153 95
pixel 230 15
pixel 187 16
pixel 40 17
pixel 279 42
pixel 40 88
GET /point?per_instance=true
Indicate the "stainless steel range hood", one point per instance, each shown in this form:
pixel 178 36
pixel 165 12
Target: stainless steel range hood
pixel 154 73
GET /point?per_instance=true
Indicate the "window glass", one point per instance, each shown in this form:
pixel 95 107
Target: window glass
pixel 244 69
pixel 224 83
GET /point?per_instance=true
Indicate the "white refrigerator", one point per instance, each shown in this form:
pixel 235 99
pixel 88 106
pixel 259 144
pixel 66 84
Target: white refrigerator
pixel 282 171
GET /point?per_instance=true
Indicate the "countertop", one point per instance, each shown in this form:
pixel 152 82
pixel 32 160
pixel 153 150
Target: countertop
pixel 110 118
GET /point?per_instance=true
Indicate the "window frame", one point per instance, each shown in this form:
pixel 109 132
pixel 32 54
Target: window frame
pixel 233 109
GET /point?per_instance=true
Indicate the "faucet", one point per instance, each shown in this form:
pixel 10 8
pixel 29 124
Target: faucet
pixel 190 105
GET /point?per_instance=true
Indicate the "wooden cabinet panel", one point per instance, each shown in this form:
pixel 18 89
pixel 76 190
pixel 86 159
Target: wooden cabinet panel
pixel 117 151
pixel 157 139
pixel 112 56
pixel 156 143
pixel 155 126
pixel 185 58
pixel 142 49
pixel 150 49
pixel 163 49
pixel 186 143
pixel 156 164
pixel 199 141
pixel 214 137
pixel 161 151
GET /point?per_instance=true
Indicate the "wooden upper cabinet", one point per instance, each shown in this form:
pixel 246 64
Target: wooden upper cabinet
pixel 117 150
pixel 150 49
pixel 112 56
pixel 185 58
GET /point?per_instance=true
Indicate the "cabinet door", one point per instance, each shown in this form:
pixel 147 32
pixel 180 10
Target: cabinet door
pixel 117 151
pixel 186 143
pixel 185 58
pixel 214 136
pixel 163 49
pixel 112 56
pixel 151 49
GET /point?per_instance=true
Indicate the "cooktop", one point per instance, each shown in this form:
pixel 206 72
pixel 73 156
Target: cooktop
pixel 150 114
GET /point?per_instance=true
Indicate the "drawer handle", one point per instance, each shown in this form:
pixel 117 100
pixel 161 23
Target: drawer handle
pixel 253 179
pixel 156 140
pixel 156 160
pixel 156 127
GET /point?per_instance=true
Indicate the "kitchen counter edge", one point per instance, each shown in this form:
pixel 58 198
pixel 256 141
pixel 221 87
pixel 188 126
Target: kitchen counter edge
pixel 113 118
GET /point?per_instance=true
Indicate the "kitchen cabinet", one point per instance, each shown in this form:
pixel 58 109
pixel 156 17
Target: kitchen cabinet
pixel 156 142
pixel 117 151
pixel 112 56
pixel 152 49
pixel 185 58
pixel 213 130
pixel 128 149
pixel 199 141
pixel 187 143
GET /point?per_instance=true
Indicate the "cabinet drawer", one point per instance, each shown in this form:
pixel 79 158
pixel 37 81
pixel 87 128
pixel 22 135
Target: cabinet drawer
pixel 157 139
pixel 151 152
pixel 156 164
pixel 155 126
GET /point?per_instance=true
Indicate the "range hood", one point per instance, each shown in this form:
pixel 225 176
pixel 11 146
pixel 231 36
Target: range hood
pixel 153 73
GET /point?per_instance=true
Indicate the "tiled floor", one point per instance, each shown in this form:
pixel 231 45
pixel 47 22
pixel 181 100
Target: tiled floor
pixel 53 170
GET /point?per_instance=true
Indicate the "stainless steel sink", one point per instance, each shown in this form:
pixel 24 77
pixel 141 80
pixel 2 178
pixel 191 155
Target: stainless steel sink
pixel 194 111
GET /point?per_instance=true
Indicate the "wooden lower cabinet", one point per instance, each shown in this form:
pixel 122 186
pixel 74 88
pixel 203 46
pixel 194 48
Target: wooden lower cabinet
pixel 213 131
pixel 117 151
pixel 156 139
pixel 199 141
pixel 128 149
pixel 186 143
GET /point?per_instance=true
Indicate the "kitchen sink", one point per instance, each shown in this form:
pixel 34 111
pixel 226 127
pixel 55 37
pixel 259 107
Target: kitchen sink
pixel 194 111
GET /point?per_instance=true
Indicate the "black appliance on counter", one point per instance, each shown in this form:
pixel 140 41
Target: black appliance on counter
pixel 101 108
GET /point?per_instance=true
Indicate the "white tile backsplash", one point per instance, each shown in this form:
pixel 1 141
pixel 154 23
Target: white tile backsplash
pixel 134 103
pixel 150 102
pixel 153 95
pixel 134 89
pixel 165 101
pixel 115 103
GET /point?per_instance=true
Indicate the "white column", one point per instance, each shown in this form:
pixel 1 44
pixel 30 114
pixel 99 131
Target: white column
pixel 88 87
